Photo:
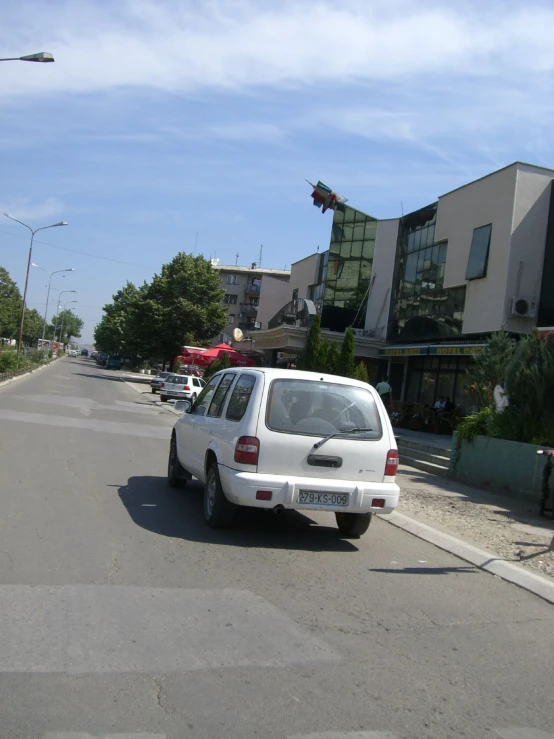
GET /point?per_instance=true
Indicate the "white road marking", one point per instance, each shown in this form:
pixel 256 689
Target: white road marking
pixel 87 404
pixel 83 735
pixel 523 733
pixel 80 629
pixel 88 424
pixel 347 735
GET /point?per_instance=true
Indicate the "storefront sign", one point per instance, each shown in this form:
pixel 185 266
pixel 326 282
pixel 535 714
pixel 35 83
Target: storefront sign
pixel 458 351
pixel 403 351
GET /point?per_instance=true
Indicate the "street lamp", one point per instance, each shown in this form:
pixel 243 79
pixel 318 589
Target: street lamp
pixel 66 303
pixel 33 232
pixel 56 272
pixel 41 56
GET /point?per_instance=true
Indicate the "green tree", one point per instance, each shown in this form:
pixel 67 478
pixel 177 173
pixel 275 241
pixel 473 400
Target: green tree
pixel 347 366
pixel 113 335
pixel 32 326
pixel 220 364
pixel 323 358
pixel 361 372
pixel 10 306
pixel 67 322
pixel 489 368
pixel 333 359
pixel 312 351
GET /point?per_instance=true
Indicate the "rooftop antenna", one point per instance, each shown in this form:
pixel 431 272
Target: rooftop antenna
pixel 402 208
pixel 236 259
pixel 318 247
pixel 261 252
pixel 195 244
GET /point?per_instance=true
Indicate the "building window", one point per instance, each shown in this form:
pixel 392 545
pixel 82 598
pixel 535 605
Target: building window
pixel 295 293
pixel 232 280
pixel 230 299
pixel 479 254
pixel 230 318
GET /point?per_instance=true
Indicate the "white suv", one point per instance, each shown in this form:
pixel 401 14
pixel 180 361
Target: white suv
pixel 272 438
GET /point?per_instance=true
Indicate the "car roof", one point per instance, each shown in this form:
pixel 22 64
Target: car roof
pixel 273 373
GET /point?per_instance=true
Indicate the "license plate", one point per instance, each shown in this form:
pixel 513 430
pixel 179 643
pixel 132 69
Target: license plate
pixel 312 497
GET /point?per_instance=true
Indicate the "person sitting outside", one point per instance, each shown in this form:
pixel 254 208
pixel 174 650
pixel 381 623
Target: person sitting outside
pixel 439 405
pixel 448 405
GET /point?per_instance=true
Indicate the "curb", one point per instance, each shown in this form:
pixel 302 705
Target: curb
pixel 29 372
pixel 485 560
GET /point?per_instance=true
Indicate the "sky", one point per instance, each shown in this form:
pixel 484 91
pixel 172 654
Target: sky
pixel 175 125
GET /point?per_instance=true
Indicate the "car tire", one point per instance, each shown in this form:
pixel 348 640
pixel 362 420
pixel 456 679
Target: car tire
pixel 176 473
pixel 219 512
pixel 193 399
pixel 153 391
pixel 163 398
pixel 352 524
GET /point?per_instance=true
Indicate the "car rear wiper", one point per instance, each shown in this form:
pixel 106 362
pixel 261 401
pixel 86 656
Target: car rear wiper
pixel 319 444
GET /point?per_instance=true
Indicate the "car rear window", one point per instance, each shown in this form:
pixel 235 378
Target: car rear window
pixel 240 397
pixel 322 408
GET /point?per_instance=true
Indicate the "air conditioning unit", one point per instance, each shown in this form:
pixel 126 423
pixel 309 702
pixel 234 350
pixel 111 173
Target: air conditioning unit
pixel 523 308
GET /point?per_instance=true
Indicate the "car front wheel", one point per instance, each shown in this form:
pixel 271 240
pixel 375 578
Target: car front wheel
pixel 352 524
pixel 218 511
pixel 163 398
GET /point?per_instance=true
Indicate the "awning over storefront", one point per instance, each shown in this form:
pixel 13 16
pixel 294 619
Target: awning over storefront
pixel 418 350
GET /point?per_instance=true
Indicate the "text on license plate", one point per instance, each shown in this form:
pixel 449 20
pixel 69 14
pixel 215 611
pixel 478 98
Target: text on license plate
pixel 316 498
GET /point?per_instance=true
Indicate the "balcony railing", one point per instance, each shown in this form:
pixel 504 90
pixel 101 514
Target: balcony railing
pixel 252 289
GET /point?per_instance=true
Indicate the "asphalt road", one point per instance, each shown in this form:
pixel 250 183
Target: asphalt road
pixel 122 615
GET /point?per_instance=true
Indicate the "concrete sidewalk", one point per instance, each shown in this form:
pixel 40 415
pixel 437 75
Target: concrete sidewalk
pixel 510 529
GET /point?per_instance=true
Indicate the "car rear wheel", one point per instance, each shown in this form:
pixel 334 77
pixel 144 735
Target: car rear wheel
pixel 353 524
pixel 176 473
pixel 193 398
pixel 218 511
pixel 163 398
pixel 154 391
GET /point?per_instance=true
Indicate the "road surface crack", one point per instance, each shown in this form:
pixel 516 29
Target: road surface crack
pixel 113 568
pixel 158 693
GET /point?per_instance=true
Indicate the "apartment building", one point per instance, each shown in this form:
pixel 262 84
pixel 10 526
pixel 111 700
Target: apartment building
pixel 242 287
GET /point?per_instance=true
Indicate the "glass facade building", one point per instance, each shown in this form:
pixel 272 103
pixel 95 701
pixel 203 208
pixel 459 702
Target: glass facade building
pixel 345 270
pixel 422 308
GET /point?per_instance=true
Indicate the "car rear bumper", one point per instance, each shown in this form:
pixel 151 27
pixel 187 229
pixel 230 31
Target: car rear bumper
pixel 241 488
pixel 178 394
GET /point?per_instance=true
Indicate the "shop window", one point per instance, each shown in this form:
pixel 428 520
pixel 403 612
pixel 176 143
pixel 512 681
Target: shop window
pixel 479 253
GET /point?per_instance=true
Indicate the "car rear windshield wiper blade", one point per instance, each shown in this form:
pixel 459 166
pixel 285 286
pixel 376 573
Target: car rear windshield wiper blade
pixel 340 433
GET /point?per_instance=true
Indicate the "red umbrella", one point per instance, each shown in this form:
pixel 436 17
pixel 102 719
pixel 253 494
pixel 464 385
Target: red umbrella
pixel 236 358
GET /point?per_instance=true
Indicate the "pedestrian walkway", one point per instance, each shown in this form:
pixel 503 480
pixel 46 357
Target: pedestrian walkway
pixel 511 529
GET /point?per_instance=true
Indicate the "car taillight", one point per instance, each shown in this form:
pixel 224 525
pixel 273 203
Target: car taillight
pixel 247 449
pixel 186 387
pixel 163 384
pixel 391 466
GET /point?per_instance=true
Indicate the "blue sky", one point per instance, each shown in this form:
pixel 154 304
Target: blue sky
pixel 164 118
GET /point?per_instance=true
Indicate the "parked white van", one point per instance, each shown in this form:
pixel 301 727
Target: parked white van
pixel 274 438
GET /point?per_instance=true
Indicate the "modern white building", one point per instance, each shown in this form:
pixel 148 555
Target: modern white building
pixel 425 290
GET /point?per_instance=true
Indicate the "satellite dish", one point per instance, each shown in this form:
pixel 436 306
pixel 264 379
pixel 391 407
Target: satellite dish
pixel 237 334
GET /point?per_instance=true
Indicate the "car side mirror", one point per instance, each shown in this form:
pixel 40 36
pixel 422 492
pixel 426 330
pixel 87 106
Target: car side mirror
pixel 183 406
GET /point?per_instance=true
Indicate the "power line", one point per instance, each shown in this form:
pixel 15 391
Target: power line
pixel 76 251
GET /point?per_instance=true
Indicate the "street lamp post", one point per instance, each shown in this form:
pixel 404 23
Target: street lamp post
pixel 56 272
pixel 66 303
pixel 41 56
pixel 33 232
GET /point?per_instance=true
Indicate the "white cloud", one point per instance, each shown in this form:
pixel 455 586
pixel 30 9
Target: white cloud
pixel 183 47
pixel 25 210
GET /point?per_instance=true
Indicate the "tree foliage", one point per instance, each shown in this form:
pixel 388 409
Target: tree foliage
pixel 333 359
pixel 67 322
pixel 361 372
pixel 347 367
pixel 312 353
pixel 220 364
pixel 489 368
pixel 182 305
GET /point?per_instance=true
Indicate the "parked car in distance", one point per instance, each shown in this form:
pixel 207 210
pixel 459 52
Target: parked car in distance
pixel 182 387
pixel 156 382
pixel 287 439
pixel 93 355
pixel 73 353
pixel 101 359
pixel 113 362
pixel 84 352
